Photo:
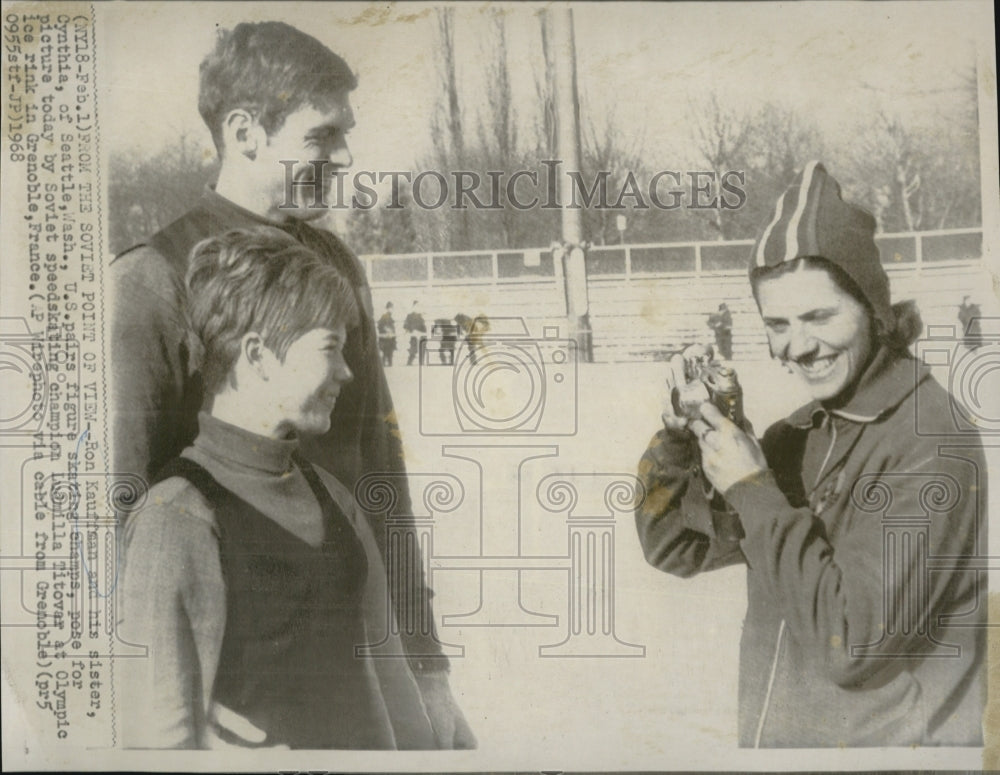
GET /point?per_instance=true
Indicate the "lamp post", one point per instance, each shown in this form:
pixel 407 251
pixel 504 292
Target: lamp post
pixel 621 223
pixel 567 108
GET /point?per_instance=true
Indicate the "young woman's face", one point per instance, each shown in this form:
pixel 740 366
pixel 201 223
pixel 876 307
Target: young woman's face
pixel 823 333
pixel 307 382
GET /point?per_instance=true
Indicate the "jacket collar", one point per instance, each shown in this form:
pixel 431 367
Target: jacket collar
pixel 228 210
pixel 883 386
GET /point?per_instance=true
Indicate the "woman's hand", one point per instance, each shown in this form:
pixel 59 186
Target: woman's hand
pixel 676 377
pixel 728 454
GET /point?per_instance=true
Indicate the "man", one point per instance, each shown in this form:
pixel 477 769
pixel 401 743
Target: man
pixel 386 330
pixel 414 326
pixel 721 322
pixel 969 316
pixel 446 331
pixel 849 638
pixel 478 329
pixel 269 94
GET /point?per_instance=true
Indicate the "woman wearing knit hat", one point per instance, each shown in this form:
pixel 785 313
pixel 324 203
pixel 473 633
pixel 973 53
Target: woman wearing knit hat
pixel 866 618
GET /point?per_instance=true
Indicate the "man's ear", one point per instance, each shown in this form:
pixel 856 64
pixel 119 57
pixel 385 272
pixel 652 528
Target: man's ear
pixel 242 133
pixel 254 354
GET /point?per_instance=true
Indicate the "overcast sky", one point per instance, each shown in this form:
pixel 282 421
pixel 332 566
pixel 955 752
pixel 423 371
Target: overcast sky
pixel 833 61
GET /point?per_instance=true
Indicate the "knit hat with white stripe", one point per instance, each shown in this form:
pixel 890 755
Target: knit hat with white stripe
pixel 811 219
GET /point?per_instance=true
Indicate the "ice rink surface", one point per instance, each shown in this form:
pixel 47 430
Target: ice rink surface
pixel 682 690
pixel 679 691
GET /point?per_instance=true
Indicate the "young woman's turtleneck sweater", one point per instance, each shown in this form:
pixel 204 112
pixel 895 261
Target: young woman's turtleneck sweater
pixel 175 595
pixel 260 469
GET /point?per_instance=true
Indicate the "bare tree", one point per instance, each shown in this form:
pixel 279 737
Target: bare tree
pixel 147 193
pixel 922 172
pixel 722 137
pixel 448 131
pixel 451 142
pixel 612 153
pixel 381 230
pixel 498 137
pixel 783 142
pixel 953 195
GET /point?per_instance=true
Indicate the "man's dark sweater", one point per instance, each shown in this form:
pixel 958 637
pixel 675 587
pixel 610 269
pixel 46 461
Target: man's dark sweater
pixel 156 387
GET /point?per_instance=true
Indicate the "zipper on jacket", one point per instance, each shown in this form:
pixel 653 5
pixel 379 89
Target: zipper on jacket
pixel 770 686
pixel 818 506
pixel 829 451
pixel 781 628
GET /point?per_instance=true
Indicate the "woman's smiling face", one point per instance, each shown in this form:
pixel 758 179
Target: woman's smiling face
pixel 822 332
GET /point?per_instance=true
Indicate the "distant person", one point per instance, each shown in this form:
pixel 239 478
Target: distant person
pixel 969 317
pixel 721 323
pixel 464 324
pixel 478 329
pixel 449 332
pixel 414 326
pixel 386 328
pixel 252 574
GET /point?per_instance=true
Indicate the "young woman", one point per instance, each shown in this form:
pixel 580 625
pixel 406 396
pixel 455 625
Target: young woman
pixel 251 576
pixel 866 619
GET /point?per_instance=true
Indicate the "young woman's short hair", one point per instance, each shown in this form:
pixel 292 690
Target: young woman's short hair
pixel 908 323
pixel 260 280
pixel 269 69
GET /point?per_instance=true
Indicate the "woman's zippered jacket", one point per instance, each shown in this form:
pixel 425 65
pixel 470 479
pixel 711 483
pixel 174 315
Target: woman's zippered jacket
pixel 863 543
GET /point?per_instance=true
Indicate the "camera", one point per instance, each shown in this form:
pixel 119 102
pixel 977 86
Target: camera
pixel 503 382
pixel 707 380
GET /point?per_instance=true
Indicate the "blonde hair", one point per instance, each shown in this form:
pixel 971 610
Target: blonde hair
pixel 265 281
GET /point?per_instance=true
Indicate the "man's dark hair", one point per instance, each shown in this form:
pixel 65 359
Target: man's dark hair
pixel 269 69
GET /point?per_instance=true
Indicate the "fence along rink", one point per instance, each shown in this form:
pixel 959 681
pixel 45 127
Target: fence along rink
pixel 648 300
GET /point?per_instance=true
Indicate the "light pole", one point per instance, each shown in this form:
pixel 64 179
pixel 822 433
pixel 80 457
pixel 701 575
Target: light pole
pixel 621 223
pixel 567 108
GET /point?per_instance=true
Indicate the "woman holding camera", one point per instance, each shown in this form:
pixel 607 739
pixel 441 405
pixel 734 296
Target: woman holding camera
pixel 251 576
pixel 865 622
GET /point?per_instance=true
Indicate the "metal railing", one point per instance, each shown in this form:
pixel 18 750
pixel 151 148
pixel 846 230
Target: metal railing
pixel 915 250
pixel 648 297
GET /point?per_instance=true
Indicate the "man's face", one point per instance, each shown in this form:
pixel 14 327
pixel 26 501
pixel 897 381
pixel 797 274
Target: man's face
pixel 310 134
pixel 821 332
pixel 305 385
